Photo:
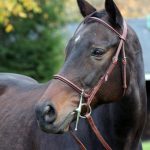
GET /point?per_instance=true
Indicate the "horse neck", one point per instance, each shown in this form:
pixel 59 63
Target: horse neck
pixel 121 123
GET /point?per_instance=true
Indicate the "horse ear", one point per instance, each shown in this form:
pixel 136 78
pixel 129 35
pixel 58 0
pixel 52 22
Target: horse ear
pixel 85 8
pixel 113 12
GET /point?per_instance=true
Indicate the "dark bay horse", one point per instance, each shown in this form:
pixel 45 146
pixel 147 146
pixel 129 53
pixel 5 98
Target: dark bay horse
pixel 88 55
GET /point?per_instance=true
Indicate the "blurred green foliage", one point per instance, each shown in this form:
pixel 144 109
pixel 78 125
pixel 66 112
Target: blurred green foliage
pixel 146 145
pixel 35 45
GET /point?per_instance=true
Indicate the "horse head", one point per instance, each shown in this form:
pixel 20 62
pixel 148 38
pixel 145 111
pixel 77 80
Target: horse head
pixel 90 59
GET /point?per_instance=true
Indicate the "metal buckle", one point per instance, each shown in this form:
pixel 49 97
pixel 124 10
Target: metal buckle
pixel 79 109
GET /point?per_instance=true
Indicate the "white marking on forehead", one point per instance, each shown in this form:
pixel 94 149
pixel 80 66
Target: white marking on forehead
pixel 77 39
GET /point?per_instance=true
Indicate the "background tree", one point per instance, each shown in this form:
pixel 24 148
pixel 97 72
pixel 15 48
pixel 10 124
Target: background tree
pixel 30 39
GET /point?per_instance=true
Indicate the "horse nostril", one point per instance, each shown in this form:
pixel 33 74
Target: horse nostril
pixel 49 114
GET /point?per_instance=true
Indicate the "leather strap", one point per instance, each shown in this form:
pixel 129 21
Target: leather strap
pixel 71 84
pixel 113 64
pixel 97 133
pixel 106 25
pixel 82 147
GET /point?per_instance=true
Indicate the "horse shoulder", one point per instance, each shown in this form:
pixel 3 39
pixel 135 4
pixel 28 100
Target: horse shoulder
pixel 18 96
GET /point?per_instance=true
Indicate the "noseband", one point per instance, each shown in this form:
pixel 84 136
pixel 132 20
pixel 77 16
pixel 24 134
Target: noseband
pixel 90 96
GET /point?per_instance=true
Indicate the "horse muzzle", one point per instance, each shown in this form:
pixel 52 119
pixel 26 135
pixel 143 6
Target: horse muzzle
pixel 47 119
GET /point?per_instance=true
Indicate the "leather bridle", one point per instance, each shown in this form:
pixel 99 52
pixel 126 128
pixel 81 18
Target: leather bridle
pixel 90 96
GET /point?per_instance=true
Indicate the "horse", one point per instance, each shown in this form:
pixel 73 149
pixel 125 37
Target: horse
pixel 114 84
pixel 23 100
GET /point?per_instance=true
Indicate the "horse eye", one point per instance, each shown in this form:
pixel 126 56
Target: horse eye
pixel 97 52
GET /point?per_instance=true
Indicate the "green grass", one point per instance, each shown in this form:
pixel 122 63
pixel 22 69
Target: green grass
pixel 146 145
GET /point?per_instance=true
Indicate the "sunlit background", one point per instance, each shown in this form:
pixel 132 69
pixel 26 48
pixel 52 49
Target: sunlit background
pixel 34 33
